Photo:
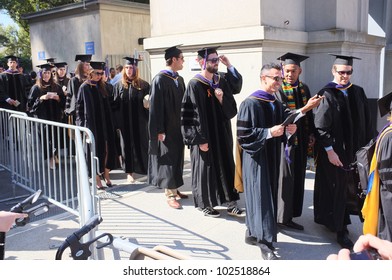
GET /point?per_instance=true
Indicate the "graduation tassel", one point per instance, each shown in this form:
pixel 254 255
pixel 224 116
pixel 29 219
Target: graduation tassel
pixel 286 153
pixel 205 60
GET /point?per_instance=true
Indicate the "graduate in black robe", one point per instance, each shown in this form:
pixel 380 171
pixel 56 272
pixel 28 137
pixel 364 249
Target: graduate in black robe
pixel 260 136
pixel 343 125
pixel 60 77
pixel 208 106
pixel 74 84
pixel 166 146
pixel 294 95
pixel 130 94
pixel 46 101
pixel 94 112
pixel 12 87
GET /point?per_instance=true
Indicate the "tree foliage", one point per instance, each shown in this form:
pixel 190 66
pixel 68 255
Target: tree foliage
pixel 16 41
pixel 17 8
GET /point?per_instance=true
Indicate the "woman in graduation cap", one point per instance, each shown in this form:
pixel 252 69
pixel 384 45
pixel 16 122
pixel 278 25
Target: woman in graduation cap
pixel 377 209
pixel 46 101
pixel 94 112
pixel 75 82
pixel 130 94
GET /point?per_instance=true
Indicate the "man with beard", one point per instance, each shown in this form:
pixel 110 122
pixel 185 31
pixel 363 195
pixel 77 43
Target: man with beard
pixel 343 125
pixel 12 87
pixel 207 108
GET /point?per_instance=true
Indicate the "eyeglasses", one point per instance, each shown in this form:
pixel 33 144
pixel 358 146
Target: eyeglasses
pixel 98 73
pixel 276 78
pixel 214 60
pixel 341 73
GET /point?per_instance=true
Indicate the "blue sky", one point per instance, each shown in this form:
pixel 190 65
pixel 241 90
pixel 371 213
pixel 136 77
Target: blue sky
pixel 5 19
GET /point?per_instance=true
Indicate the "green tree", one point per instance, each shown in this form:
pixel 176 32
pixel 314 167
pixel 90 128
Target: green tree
pixel 17 8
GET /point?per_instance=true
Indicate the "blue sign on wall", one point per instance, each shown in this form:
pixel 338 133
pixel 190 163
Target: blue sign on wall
pixel 41 55
pixel 89 47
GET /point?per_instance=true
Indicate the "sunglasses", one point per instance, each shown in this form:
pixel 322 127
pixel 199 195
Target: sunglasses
pixel 276 78
pixel 98 73
pixel 214 60
pixel 341 73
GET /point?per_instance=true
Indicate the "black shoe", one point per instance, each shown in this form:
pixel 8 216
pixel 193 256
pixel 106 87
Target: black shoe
pixel 267 253
pixel 293 225
pixel 344 241
pixel 210 212
pixel 236 212
pixel 251 240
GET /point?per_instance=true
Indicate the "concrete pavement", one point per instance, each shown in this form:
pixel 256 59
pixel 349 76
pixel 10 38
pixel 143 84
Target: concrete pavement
pixel 139 213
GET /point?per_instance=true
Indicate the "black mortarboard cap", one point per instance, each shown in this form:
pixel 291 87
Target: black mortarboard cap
pixel 11 58
pixel 131 60
pixel 385 104
pixel 60 64
pixel 172 52
pixel 204 52
pixel 343 59
pixel 45 67
pixel 50 60
pixel 292 58
pixel 97 65
pixel 83 57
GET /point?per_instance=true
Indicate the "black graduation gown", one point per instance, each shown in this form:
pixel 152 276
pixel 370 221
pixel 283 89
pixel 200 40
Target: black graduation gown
pixel 205 120
pixel 133 125
pixel 12 85
pixel 64 118
pixel 166 158
pixel 345 124
pixel 73 90
pixel 292 175
pixel 48 110
pixel 93 111
pixel 234 81
pixel 260 165
pixel 384 165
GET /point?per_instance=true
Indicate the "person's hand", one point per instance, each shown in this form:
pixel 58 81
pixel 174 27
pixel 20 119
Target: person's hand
pixel 7 219
pixel 161 136
pixel 334 158
pixel 291 128
pixel 277 130
pixel 204 147
pixel 343 254
pixel 225 60
pixel 55 97
pixel 364 242
pixel 383 247
pixel 313 102
pixel 11 102
pixel 219 95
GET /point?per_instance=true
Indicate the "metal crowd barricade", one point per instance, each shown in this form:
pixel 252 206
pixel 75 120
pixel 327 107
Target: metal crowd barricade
pixel 5 155
pixel 64 181
pixel 56 158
